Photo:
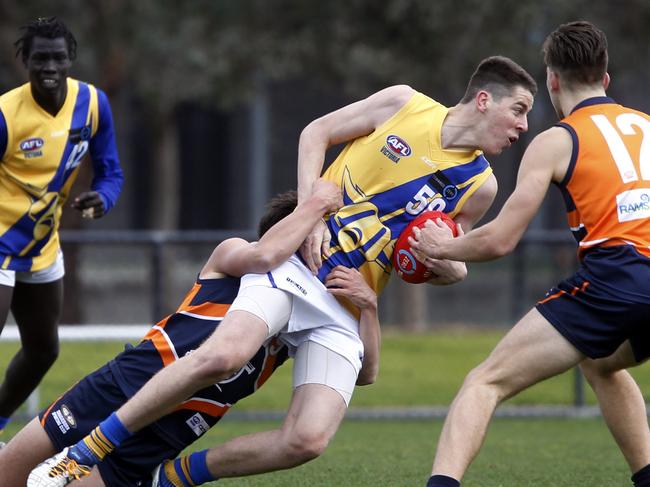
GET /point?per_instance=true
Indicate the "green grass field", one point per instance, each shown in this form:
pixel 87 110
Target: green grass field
pixel 417 370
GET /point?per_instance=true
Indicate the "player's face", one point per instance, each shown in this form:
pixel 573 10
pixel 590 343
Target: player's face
pixel 507 120
pixel 48 64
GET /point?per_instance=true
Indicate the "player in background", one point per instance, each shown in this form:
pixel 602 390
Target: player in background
pixel 598 318
pixel 406 153
pixel 47 126
pixel 77 412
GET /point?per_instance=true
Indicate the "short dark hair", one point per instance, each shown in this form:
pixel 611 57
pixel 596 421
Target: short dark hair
pixel 277 208
pixel 498 75
pixel 578 51
pixel 49 28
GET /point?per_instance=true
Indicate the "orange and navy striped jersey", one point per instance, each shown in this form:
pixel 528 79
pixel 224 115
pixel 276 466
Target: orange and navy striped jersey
pixel 391 176
pixel 607 185
pixel 180 334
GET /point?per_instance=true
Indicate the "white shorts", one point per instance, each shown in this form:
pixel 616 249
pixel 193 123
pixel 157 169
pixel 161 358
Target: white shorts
pixel 315 364
pixel 292 301
pixel 50 274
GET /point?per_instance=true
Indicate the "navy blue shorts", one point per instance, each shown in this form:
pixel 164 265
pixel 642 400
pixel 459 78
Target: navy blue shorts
pixel 82 408
pixel 606 302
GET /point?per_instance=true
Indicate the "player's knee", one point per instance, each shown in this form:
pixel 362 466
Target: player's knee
pixel 42 357
pixel 305 446
pixel 485 379
pixel 214 367
pixel 596 371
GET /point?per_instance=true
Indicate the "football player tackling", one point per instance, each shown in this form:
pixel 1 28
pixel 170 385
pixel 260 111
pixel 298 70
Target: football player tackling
pixel 78 410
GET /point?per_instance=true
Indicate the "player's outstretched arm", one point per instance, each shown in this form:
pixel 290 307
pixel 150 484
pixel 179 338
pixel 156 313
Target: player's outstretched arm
pixel 350 284
pixel 546 159
pixel 237 257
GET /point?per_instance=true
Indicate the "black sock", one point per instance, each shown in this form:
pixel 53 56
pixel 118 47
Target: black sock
pixel 442 481
pixel 642 477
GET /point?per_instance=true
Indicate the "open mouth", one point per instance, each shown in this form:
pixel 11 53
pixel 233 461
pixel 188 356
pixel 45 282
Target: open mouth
pixel 49 82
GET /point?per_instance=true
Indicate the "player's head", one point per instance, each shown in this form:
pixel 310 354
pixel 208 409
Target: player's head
pixel 576 57
pixel 578 52
pixel 277 208
pixel 502 94
pixel 500 76
pixel 46 28
pixel 47 48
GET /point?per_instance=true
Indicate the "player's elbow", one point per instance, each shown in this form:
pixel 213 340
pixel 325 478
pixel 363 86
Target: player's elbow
pixel 262 261
pixel 500 247
pixel 315 133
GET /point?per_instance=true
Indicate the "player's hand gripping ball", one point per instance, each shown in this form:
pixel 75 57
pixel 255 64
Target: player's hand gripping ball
pixel 407 266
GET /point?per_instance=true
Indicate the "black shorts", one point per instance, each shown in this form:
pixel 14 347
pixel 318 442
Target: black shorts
pixel 606 302
pixel 71 417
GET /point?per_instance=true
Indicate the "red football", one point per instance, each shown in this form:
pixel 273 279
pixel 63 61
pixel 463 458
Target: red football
pixel 407 266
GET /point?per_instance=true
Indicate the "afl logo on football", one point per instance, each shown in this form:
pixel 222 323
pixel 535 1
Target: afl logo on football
pixel 31 144
pixel 398 146
pixel 405 262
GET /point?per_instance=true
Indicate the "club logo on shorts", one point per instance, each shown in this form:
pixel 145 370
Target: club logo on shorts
pixel 64 419
pixel 69 417
pixel 395 148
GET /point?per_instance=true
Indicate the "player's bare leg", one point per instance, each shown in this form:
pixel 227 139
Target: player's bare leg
pixel 228 349
pixel 314 416
pixel 6 293
pixel 25 450
pixel 622 404
pixel 36 308
pixel 532 351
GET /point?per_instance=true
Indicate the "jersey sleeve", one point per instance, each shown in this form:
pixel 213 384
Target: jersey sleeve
pixel 107 173
pixel 3 135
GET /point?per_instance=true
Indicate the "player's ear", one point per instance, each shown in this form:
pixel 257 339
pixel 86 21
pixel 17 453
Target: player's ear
pixel 552 80
pixel 606 80
pixel 482 100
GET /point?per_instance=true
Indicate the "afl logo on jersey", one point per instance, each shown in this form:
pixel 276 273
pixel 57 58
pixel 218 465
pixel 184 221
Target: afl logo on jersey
pixel 30 147
pixel 31 144
pixel 396 148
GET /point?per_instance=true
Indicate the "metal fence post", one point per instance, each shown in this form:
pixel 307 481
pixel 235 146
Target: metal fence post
pixel 578 388
pixel 156 274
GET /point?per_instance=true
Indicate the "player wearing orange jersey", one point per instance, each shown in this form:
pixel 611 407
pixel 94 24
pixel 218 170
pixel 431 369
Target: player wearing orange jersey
pixel 597 318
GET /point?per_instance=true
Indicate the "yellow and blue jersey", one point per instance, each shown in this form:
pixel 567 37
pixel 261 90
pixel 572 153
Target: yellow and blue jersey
pixel 391 176
pixel 40 155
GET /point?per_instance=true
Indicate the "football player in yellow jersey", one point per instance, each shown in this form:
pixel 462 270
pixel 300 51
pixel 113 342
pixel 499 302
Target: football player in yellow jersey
pixel 598 317
pixel 437 161
pixel 47 126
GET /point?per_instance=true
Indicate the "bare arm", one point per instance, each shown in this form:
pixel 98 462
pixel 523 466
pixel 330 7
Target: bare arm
pixel 343 125
pixel 237 257
pixel 348 283
pixel 545 160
